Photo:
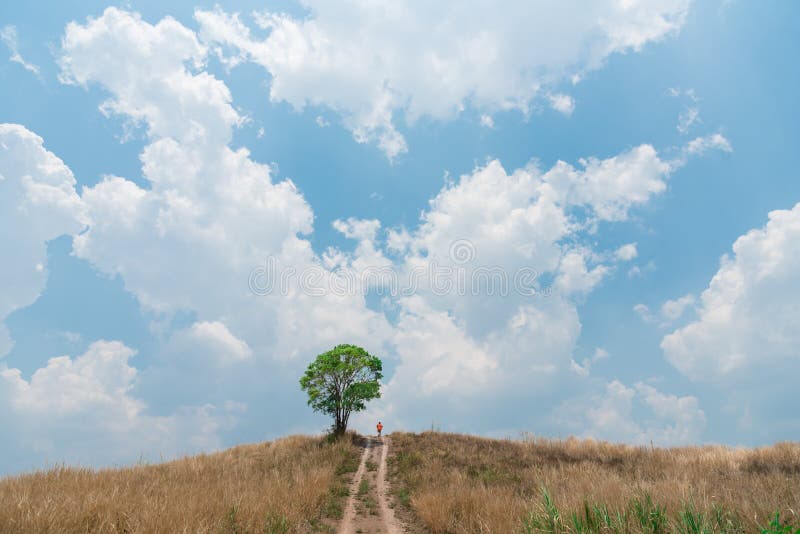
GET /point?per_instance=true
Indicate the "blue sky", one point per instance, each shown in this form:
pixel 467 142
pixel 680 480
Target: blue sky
pixel 676 120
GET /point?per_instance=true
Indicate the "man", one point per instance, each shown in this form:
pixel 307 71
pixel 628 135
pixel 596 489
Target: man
pixel 379 427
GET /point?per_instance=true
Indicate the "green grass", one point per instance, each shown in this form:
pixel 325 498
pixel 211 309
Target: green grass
pixel 370 505
pixel 349 465
pixel 777 527
pixel 405 461
pixel 232 523
pixel 339 490
pixel 334 505
pixel 276 524
pixel 404 496
pixel 643 515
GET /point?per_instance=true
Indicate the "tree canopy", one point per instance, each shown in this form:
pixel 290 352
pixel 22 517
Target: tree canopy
pixel 341 381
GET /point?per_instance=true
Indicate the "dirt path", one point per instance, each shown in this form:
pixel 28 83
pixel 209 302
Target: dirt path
pixel 368 510
pixel 390 521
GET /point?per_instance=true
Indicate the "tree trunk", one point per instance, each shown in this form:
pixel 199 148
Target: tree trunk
pixel 340 428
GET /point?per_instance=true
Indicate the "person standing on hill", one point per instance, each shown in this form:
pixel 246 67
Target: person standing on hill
pixel 379 427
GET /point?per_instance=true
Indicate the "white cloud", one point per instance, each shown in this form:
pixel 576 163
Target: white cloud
pixel 748 315
pixel 673 309
pixel 360 229
pixel 210 214
pixel 82 410
pixel 8 34
pixel 687 118
pixel 585 367
pixel 599 354
pixel 666 419
pixel 638 271
pixel 678 420
pixel 498 347
pixel 375 62
pixel 562 103
pixel 71 337
pixel 190 239
pixel 701 145
pixel 611 186
pixel 610 415
pixel 626 252
pixel 690 115
pixel 581 369
pixel 443 358
pixel 644 312
pixel 669 312
pixel 487 121
pixel 38 203
pixel 215 339
pixel 156 85
pixel 575 277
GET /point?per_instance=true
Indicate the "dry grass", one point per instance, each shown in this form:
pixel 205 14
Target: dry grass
pixel 282 486
pixel 463 484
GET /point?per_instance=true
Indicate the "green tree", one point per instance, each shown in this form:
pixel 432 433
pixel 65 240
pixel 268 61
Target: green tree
pixel 341 381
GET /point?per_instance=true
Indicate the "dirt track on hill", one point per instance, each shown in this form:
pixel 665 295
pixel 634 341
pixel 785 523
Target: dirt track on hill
pixel 368 509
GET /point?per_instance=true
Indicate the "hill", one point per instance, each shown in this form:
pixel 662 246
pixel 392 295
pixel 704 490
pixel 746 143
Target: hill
pixel 456 483
pixel 428 482
pixel 294 484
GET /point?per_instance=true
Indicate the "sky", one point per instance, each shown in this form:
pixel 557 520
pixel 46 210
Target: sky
pixel 545 217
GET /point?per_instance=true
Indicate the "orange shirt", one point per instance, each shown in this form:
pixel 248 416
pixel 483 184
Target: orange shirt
pixel 380 427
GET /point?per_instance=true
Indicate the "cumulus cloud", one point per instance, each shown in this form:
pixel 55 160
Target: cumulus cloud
pixel 743 343
pixel 81 410
pixel 575 277
pixel 211 223
pixel 211 213
pixel 487 225
pixel 38 202
pixel 611 187
pixel 209 219
pixel 368 62
pixel 157 85
pixel 668 419
pixel 524 225
pixel 747 316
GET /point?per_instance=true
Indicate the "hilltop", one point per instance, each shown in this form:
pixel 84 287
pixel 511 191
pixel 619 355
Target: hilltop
pixel 428 482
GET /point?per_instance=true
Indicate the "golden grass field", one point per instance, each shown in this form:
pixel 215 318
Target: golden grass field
pixel 442 483
pixel 462 484
pixel 290 485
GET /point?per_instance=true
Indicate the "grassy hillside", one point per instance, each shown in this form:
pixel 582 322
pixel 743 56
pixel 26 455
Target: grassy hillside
pixel 463 484
pixel 290 485
pixel 442 483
